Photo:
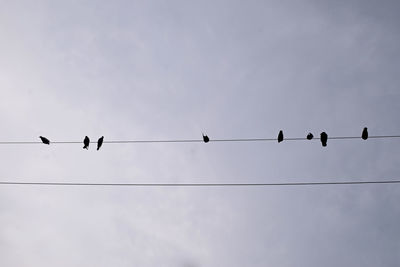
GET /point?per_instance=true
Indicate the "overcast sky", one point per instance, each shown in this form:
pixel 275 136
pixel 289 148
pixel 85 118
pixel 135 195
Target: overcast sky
pixel 173 69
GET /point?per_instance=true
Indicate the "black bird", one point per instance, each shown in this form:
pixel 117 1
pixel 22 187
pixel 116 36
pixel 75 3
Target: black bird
pixel 45 140
pixel 100 142
pixel 324 138
pixel 86 143
pixel 280 136
pixel 205 138
pixel 310 136
pixel 364 134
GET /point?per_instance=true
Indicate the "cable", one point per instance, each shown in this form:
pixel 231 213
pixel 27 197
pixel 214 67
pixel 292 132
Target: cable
pixel 198 140
pixel 200 184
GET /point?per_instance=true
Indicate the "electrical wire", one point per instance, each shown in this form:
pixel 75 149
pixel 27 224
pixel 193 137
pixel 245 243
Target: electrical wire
pixel 198 140
pixel 203 184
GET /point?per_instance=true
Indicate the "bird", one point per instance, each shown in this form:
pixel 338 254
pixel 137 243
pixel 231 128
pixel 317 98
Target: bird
pixel 324 138
pixel 310 136
pixel 100 142
pixel 364 134
pixel 205 138
pixel 45 140
pixel 280 136
pixel 86 143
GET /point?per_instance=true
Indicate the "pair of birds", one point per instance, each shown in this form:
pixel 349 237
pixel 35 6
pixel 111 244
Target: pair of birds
pixel 324 136
pixel 86 142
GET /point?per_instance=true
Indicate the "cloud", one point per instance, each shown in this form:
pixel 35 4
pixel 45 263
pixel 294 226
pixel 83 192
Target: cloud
pixel 140 70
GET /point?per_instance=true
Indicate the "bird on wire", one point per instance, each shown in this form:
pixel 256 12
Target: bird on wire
pixel 100 142
pixel 310 136
pixel 205 138
pixel 86 143
pixel 44 140
pixel 280 136
pixel 364 134
pixel 324 138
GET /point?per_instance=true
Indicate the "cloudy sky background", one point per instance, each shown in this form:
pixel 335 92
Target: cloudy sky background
pixel 170 70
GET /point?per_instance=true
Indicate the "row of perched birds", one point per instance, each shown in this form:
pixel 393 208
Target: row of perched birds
pixel 310 136
pixel 324 136
pixel 206 139
pixel 86 142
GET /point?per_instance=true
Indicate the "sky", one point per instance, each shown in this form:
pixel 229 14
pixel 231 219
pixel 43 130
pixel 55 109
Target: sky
pixel 149 70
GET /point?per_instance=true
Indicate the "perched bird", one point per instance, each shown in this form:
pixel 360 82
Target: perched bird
pixel 324 138
pixel 280 136
pixel 45 140
pixel 100 142
pixel 310 136
pixel 364 134
pixel 205 138
pixel 86 143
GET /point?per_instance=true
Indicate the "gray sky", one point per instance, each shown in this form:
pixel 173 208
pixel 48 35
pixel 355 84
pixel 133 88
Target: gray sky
pixel 171 70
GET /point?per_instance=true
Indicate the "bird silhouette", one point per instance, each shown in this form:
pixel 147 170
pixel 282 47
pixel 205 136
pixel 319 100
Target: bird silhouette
pixel 100 142
pixel 280 136
pixel 86 143
pixel 310 136
pixel 45 140
pixel 364 134
pixel 324 138
pixel 205 138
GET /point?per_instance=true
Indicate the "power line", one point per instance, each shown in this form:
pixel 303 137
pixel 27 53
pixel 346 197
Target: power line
pixel 199 140
pixel 201 184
